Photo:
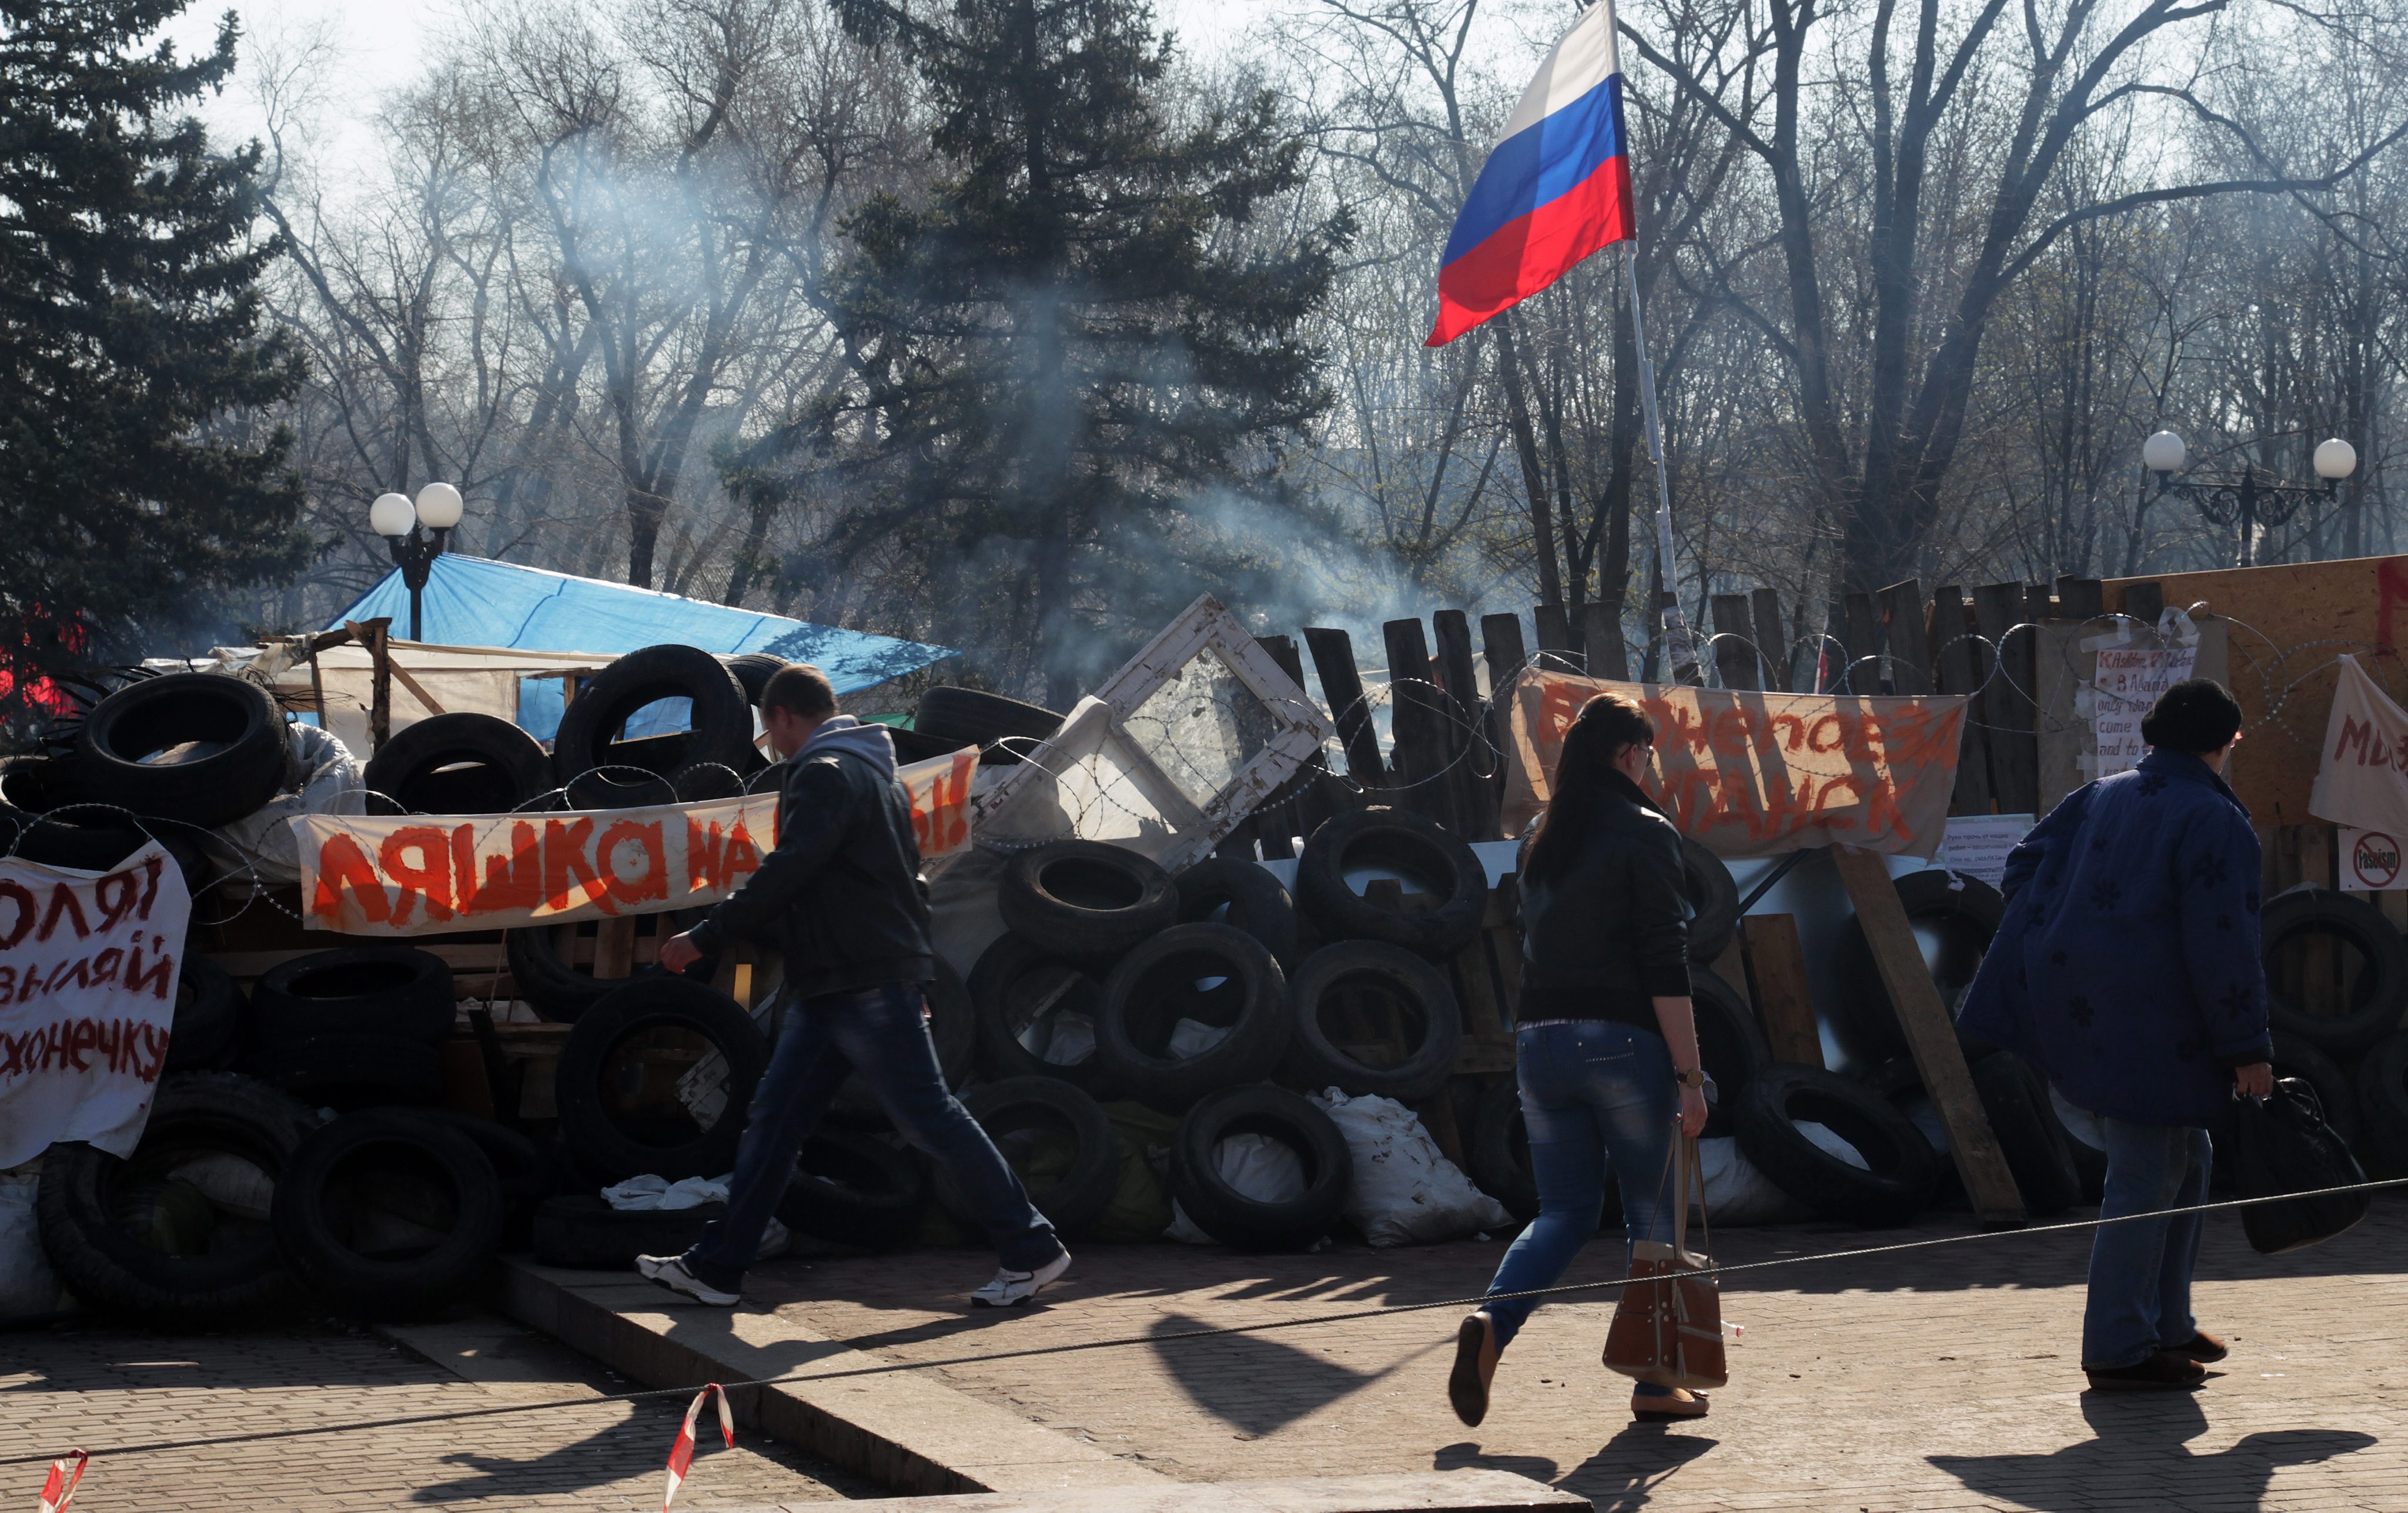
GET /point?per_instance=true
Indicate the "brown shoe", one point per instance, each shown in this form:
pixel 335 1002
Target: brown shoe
pixel 2164 1371
pixel 2202 1346
pixel 1683 1403
pixel 1475 1367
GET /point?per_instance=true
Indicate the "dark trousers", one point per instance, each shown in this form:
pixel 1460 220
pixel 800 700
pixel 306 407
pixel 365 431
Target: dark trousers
pixel 882 1033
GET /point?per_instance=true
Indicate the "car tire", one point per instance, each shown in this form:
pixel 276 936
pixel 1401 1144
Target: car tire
pixel 1228 1215
pixel 351 1071
pixel 753 672
pixel 1230 890
pixel 463 763
pixel 2383 984
pixel 854 1188
pixel 1730 1046
pixel 1402 842
pixel 1499 1151
pixel 666 1140
pixel 2015 1101
pixel 559 992
pixel 1017 1112
pixel 1963 912
pixel 581 1232
pixel 392 991
pixel 216 747
pixel 1002 728
pixel 1417 993
pixel 436 1200
pixel 2297 1057
pixel 1160 983
pixel 212 1017
pixel 1904 1168
pixel 1713 900
pixel 1086 898
pixel 2383 1100
pixel 1015 982
pixel 721 727
pixel 87 1198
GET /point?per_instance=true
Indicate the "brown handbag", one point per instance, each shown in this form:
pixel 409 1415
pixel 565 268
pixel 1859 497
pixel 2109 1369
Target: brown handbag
pixel 1667 1329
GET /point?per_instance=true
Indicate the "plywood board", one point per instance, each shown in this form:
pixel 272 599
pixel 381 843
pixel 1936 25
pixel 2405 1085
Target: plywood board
pixel 2289 621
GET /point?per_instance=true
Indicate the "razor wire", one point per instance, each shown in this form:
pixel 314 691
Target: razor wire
pixel 1710 1271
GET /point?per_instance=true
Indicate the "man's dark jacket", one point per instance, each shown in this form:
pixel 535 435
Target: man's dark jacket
pixel 1609 934
pixel 839 896
pixel 2128 964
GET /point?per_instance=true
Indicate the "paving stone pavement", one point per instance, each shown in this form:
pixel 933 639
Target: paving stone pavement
pixel 97 1387
pixel 1942 1379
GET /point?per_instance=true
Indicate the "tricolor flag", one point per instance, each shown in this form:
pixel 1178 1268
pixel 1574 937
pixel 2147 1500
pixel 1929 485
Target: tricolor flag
pixel 1556 189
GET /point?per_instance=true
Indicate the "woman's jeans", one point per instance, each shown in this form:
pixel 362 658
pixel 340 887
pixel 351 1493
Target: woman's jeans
pixel 883 1034
pixel 1595 1095
pixel 2140 1270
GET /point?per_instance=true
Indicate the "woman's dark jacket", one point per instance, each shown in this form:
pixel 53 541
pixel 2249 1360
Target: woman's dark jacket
pixel 1609 934
pixel 2128 964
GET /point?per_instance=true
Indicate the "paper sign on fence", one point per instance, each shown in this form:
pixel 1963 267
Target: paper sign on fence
pixel 422 875
pixel 1758 775
pixel 2130 681
pixel 88 970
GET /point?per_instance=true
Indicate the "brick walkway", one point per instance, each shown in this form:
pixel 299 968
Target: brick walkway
pixel 1940 1380
pixel 99 1386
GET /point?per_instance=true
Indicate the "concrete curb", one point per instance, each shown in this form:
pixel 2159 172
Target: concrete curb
pixel 902 1431
pixel 1427 1492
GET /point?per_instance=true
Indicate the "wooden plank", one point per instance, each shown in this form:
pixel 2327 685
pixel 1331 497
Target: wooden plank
pixel 1555 631
pixel 1863 638
pixel 2006 705
pixel 1341 685
pixel 1958 671
pixel 1932 1036
pixel 2039 603
pixel 1471 757
pixel 1417 726
pixel 2080 599
pixel 372 635
pixel 1278 823
pixel 1776 979
pixel 1601 640
pixel 1735 652
pixel 614 949
pixel 1906 638
pixel 1771 636
pixel 2144 600
pixel 1501 647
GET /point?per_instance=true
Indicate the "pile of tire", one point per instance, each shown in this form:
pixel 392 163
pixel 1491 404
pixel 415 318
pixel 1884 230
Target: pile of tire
pixel 2337 993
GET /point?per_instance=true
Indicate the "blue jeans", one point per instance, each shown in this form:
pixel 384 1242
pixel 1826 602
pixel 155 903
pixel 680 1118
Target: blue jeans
pixel 881 1033
pixel 2141 1270
pixel 1593 1094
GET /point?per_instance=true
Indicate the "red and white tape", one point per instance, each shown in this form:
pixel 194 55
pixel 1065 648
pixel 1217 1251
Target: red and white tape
pixel 681 1453
pixel 62 1484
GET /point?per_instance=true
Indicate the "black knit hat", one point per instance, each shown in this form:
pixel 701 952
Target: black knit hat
pixel 2196 716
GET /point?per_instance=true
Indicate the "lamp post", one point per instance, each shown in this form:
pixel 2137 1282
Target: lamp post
pixel 394 517
pixel 2245 501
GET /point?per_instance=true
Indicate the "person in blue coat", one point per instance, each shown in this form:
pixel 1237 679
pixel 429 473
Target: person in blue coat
pixel 2127 969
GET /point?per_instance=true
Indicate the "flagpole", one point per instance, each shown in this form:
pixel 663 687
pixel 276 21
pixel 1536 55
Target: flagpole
pixel 1682 655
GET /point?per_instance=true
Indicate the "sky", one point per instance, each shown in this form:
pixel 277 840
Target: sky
pixel 384 40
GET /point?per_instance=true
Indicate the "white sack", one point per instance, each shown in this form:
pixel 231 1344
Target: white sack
pixel 328 782
pixel 1404 1190
pixel 1739 1194
pixel 1259 1167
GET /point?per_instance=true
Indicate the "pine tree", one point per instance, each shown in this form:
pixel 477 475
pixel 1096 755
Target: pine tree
pixel 134 473
pixel 1078 334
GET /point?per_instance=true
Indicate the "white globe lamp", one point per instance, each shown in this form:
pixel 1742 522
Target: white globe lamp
pixel 2335 460
pixel 439 506
pixel 392 514
pixel 2164 453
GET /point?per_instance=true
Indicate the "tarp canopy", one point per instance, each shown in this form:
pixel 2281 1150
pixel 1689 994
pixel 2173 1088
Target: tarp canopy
pixel 476 601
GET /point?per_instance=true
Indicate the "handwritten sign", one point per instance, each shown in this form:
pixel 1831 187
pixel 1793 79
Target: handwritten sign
pixel 1758 775
pixel 88 970
pixel 424 874
pixel 2130 681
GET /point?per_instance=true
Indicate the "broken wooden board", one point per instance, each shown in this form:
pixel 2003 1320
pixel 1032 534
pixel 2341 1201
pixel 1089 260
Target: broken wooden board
pixel 1931 1035
pixel 1777 981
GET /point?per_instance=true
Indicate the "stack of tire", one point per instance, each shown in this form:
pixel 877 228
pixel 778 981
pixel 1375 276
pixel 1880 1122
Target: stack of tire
pixel 2345 1038
pixel 322 1163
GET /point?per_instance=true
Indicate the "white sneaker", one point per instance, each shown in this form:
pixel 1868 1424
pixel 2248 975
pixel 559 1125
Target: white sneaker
pixel 669 1272
pixel 1010 1288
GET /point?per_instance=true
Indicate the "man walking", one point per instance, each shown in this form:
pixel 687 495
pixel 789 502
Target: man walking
pixel 2127 968
pixel 840 898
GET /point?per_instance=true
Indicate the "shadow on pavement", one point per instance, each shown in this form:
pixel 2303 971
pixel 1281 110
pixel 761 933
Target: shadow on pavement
pixel 1626 1470
pixel 2140 1451
pixel 1252 1381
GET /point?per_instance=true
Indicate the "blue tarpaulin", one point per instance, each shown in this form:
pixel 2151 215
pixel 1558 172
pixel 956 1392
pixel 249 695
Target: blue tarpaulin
pixel 476 601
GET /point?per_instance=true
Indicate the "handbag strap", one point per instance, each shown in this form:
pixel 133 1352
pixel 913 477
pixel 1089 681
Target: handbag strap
pixel 1698 1171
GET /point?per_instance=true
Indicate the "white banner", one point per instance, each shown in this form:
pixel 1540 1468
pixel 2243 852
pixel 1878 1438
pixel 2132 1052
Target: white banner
pixel 2128 682
pixel 2360 781
pixel 88 970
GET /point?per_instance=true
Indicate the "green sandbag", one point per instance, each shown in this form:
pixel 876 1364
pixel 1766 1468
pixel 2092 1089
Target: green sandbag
pixel 1140 1206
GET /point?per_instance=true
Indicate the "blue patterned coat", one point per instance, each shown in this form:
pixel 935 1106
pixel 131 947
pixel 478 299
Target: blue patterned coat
pixel 2126 965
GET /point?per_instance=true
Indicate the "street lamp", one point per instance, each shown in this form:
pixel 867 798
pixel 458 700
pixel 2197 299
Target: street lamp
pixel 394 517
pixel 2246 502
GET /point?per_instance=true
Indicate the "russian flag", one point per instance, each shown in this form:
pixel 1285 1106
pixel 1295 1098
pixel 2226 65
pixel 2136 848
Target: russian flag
pixel 1556 189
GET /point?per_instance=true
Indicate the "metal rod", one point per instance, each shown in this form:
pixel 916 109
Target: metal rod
pixel 1683 654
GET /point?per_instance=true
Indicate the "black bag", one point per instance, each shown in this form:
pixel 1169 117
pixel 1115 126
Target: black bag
pixel 2281 1144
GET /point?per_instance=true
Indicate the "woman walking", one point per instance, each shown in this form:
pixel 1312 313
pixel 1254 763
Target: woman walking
pixel 1607 1056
